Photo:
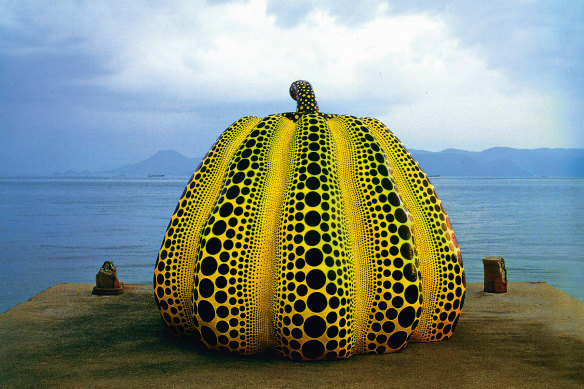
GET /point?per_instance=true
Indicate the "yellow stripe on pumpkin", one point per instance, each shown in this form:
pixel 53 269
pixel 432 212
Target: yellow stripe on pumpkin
pixel 234 284
pixel 440 259
pixel 386 269
pixel 315 295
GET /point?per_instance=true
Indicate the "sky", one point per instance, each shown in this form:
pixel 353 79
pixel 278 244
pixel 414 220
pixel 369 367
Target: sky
pixel 91 85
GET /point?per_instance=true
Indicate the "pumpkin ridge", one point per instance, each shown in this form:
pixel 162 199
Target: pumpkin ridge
pixel 362 268
pixel 176 260
pixel 233 286
pixel 315 310
pixel 388 288
pixel 276 192
pixel 441 263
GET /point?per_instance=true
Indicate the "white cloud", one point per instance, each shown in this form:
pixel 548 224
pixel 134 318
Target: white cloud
pixel 476 122
pixel 408 70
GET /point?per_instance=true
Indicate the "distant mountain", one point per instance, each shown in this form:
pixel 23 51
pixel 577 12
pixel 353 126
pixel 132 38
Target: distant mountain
pixel 503 162
pixel 163 163
pixel 494 162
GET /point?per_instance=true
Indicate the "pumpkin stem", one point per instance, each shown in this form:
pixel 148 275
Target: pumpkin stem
pixel 302 92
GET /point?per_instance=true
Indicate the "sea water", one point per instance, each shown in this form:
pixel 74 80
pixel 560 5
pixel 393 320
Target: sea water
pixel 56 230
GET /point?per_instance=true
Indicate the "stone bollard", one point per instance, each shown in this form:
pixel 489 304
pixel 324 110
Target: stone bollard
pixel 495 275
pixel 106 280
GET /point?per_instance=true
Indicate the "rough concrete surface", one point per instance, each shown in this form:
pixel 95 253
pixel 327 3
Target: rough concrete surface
pixel 66 337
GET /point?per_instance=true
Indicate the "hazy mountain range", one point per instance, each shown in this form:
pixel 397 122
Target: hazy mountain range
pixel 494 162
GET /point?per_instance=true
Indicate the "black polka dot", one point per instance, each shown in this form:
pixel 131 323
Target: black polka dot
pixel 411 294
pixel 397 340
pixel 302 290
pixel 314 257
pixel 410 272
pixel 331 317
pixel 222 326
pixel 219 227
pixel 312 199
pixel 315 279
pixel 208 266
pixel 222 311
pixel 316 302
pixel 312 183
pixel 397 275
pixel 404 232
pixel 226 209
pixel 206 288
pixel 382 169
pixel 397 302
pixel 393 199
pixel 401 216
pixel 300 263
pixel 312 218
pixel 313 168
pixel 446 329
pixel 406 317
pixel 391 314
pixel 332 344
pixel 213 246
pixel 388 327
pixel 386 183
pixel 296 333
pixel 332 331
pixel 221 282
pixel 314 326
pixel 313 156
pixel 299 306
pixel 294 344
pixel 206 311
pixel 221 297
pixel 238 178
pixel 406 250
pixel 297 319
pixel 312 238
pixel 232 192
pixel 243 164
pixel 208 335
pixel 313 349
pixel 398 287
pixel 331 288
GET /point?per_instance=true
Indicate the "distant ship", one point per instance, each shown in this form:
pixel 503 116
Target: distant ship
pixel 155 175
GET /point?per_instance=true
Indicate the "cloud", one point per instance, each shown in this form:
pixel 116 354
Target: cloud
pixel 432 72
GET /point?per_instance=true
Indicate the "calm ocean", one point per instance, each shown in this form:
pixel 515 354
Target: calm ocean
pixel 62 230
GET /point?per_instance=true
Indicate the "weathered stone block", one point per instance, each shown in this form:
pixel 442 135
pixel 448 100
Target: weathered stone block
pixel 106 280
pixel 495 274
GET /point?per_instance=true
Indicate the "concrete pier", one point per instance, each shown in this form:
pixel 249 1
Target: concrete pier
pixel 531 336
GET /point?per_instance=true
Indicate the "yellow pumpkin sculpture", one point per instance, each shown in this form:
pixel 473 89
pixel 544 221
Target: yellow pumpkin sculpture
pixel 315 235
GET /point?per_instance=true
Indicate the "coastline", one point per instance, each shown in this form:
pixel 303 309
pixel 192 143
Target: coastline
pixel 65 336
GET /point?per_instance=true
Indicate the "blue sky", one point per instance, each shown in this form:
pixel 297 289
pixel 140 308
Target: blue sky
pixel 97 84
